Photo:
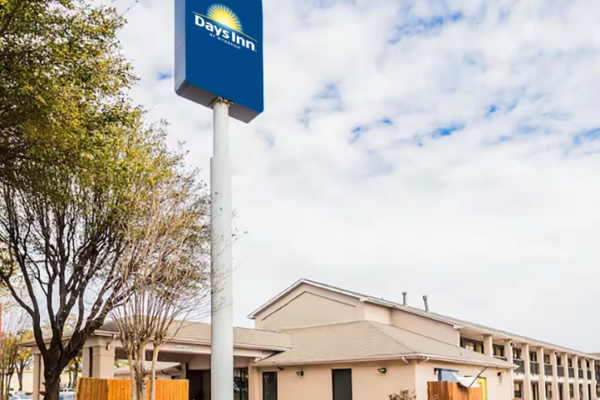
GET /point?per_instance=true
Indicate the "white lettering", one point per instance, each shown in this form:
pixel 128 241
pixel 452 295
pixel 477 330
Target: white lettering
pixel 222 34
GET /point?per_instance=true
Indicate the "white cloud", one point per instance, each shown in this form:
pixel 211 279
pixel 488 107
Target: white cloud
pixel 498 222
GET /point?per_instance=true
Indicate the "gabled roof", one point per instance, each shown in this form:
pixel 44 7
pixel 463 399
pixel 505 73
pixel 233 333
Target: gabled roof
pixel 370 341
pixel 360 296
pixel 455 322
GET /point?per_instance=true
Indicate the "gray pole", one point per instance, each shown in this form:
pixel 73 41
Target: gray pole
pixel 221 361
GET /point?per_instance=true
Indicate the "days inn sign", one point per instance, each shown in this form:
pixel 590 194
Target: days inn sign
pixel 219 53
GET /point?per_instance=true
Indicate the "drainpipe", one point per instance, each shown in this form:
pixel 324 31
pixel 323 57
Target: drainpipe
pixel 404 301
pixel 426 303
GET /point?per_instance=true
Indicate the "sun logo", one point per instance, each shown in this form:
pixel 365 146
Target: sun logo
pixel 223 15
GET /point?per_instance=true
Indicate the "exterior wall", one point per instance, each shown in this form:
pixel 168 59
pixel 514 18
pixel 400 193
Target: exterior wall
pixel 316 384
pixel 497 388
pixel 373 312
pixel 424 326
pixel 28 381
pixel 309 306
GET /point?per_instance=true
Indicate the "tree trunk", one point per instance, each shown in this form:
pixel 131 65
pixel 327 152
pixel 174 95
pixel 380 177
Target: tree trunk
pixel 20 378
pixel 70 377
pixel 132 374
pixel 155 352
pixel 76 375
pixel 140 372
pixel 8 379
pixel 52 386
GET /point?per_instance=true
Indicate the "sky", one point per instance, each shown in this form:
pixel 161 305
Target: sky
pixel 440 147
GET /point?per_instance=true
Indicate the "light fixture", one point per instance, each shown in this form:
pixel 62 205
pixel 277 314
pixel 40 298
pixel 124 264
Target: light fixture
pixel 300 373
pixel 382 370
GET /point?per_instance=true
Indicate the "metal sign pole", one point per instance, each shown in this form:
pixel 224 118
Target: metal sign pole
pixel 221 362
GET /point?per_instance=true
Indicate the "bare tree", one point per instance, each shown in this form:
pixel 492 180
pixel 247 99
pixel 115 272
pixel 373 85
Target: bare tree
pixel 166 273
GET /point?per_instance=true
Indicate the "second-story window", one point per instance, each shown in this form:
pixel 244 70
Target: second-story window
pixel 517 353
pixel 533 356
pixel 499 350
pixel 579 364
pixel 587 364
pixel 547 359
pixel 558 360
pixel 570 363
pixel 472 345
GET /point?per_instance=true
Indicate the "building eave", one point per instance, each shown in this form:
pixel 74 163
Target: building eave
pixel 414 356
pixel 239 345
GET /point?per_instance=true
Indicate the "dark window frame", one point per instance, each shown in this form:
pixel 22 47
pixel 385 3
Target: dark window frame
pixel 337 396
pixel 517 353
pixel 272 396
pixel 518 393
pixel 533 356
pixel 499 350
pixel 439 372
pixel 241 383
pixel 477 345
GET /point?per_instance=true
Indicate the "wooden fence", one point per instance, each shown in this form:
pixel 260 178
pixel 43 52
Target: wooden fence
pixel 120 389
pixel 452 391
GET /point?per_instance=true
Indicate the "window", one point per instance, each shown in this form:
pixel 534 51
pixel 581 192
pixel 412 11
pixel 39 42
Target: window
pixel 571 392
pixel 446 374
pixel 560 391
pixel 579 364
pixel 587 364
pixel 558 360
pixel 580 391
pixel 597 391
pixel 269 385
pixel 499 351
pixel 517 353
pixel 547 359
pixel 473 345
pixel 240 384
pixel 342 384
pixel 533 356
pixel 570 363
pixel 518 392
pixel 535 391
pixel 548 390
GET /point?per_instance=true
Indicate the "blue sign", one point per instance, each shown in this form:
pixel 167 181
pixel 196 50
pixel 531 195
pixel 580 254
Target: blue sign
pixel 219 53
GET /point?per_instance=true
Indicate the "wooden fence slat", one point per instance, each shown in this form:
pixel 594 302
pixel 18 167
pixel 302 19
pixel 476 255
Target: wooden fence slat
pixel 120 389
pixel 445 390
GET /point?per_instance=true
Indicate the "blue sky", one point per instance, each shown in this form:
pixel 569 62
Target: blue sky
pixel 440 147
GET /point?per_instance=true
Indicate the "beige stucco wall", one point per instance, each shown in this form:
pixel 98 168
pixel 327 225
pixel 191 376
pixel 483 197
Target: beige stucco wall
pixel 367 382
pixel 496 390
pixel 425 326
pixel 309 306
pixel 373 312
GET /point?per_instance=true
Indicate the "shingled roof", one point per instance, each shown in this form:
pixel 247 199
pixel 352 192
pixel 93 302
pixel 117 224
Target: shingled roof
pixel 368 340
